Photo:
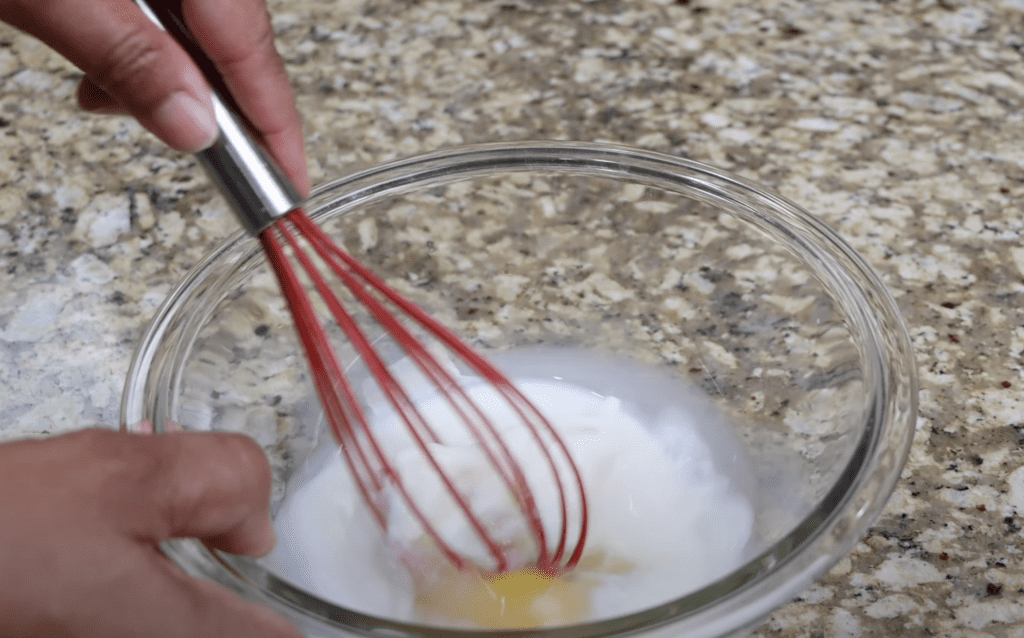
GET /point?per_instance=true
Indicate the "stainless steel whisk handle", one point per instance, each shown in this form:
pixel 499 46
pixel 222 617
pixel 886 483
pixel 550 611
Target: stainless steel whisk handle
pixel 255 187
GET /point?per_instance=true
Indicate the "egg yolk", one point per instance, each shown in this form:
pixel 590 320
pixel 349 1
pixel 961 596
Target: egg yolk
pixel 517 600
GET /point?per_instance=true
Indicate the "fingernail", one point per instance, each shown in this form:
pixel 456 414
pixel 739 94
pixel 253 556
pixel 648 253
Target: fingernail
pixel 191 121
pixel 271 542
pixel 268 542
pixel 106 110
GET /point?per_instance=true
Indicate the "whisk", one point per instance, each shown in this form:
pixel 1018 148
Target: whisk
pixel 269 208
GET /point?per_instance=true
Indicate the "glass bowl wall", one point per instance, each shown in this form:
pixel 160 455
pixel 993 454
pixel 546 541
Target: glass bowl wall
pixel 668 262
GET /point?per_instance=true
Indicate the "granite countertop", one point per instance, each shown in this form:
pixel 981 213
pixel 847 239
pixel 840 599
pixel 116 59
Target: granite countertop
pixel 901 124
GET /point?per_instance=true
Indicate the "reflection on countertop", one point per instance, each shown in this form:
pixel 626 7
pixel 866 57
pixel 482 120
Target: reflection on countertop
pixel 901 124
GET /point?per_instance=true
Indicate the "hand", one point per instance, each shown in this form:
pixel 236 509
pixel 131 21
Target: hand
pixel 132 66
pixel 83 513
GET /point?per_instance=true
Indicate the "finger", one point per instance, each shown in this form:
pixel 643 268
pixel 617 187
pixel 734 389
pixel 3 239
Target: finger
pixel 166 602
pixel 145 426
pixel 238 38
pixel 131 59
pixel 95 100
pixel 212 486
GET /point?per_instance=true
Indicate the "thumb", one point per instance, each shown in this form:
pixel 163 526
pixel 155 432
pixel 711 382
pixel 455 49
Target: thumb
pixel 140 67
pixel 211 486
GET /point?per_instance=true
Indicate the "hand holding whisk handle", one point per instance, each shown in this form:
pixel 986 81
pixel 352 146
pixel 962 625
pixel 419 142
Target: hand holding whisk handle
pixel 455 473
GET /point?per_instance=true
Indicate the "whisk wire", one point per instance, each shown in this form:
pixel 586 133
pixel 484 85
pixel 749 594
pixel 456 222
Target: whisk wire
pixel 348 269
pixel 524 409
pixel 329 384
pixel 403 405
pixel 349 421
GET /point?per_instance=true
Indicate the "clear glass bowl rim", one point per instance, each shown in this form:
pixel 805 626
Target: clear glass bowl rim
pixel 730 605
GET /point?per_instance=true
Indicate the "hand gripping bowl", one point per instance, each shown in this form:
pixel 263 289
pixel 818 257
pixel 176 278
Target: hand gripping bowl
pixel 685 268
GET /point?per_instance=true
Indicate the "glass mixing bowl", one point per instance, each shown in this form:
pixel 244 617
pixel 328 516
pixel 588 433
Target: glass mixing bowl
pixel 700 273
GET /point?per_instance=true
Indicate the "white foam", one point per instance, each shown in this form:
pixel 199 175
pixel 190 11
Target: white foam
pixel 667 489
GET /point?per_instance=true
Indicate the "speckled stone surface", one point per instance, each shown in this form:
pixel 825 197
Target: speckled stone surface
pixel 899 123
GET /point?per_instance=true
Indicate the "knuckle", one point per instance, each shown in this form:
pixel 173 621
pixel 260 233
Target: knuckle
pixel 248 461
pixel 108 451
pixel 139 480
pixel 107 462
pixel 208 472
pixel 260 44
pixel 130 64
pixel 157 484
pixel 264 39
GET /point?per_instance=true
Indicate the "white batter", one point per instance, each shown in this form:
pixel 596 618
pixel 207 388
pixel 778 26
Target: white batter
pixel 665 517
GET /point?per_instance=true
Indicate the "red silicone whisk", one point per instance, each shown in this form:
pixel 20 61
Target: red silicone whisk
pixel 313 273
